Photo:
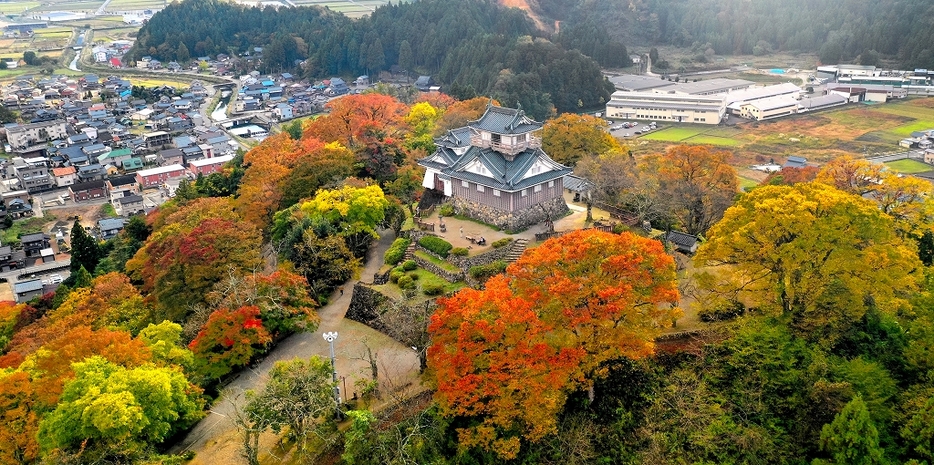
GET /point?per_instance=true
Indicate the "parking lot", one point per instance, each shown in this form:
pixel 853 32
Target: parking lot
pixel 629 129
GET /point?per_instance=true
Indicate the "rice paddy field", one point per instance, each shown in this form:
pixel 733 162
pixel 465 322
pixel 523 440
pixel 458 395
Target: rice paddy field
pixel 15 8
pixel 350 8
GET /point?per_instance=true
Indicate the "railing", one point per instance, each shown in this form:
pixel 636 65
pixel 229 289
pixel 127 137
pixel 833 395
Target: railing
pixel 511 149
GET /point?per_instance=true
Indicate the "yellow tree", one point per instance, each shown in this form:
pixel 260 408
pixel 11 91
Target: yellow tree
pixel 570 137
pixel 818 255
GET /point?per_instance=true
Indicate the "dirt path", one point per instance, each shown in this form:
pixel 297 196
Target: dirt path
pixel 214 439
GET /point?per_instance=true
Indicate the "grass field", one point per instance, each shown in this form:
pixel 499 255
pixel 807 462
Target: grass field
pixel 673 134
pixel 747 183
pixel 8 8
pixel 128 5
pixel 909 166
pixel 713 140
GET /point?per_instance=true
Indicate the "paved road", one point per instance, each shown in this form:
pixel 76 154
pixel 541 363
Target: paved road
pixel 213 439
pixel 11 276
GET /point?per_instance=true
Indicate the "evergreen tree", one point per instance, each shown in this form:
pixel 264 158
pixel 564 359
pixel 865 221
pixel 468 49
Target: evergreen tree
pixel 85 251
pixel 406 59
pixel 851 438
pixel 182 55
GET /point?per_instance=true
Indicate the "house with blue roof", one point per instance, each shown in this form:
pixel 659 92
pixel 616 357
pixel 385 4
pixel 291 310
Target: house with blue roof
pixel 495 171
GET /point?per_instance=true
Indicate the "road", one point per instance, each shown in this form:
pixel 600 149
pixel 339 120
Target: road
pixel 214 440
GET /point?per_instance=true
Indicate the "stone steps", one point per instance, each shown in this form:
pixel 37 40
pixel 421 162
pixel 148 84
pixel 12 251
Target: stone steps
pixel 409 252
pixel 516 251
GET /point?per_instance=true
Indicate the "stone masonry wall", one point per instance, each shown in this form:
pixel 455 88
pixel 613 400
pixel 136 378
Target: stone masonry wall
pixel 514 221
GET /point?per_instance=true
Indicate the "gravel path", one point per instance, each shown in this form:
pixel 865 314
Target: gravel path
pixel 214 439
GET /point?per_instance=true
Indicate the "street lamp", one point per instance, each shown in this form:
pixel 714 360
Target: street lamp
pixel 331 337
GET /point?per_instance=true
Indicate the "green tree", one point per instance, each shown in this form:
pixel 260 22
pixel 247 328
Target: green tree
pixel 851 438
pixel 85 250
pixel 406 58
pixel 182 55
pixel 299 396
pixel 111 412
pixel 375 57
pixel 30 57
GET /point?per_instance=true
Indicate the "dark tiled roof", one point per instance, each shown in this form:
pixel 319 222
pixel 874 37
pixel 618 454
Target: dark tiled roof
pixel 506 175
pixel 86 186
pixel 123 180
pixel 501 120
pixel 130 199
pixel 681 240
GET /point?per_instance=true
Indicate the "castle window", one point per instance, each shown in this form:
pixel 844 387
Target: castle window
pixel 525 192
pixel 538 188
pixel 496 193
pixel 465 184
pixel 480 188
pixel 551 184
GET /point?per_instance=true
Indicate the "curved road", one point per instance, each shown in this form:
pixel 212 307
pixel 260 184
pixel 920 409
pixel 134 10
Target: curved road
pixel 214 439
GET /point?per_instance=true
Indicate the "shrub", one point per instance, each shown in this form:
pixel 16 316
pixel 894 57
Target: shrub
pixel 395 274
pixel 459 251
pixel 409 265
pixel 446 210
pixel 436 245
pixel 722 311
pixel 396 251
pixel 432 288
pixel 618 228
pixel 502 242
pixel 406 282
pixel 414 276
pixel 484 272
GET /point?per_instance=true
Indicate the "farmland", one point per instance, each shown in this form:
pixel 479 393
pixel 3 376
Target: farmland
pixel 859 130
pixel 908 166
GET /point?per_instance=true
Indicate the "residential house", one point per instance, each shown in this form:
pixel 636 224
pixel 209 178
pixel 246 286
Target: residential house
pixel 283 111
pixel 155 177
pixel 115 157
pixel 89 190
pixel 795 162
pixel 338 86
pixel 156 139
pixel 65 176
pixel 93 172
pixel 424 83
pixel 110 227
pixel 495 171
pixel 170 157
pixel 33 174
pixel 11 259
pixel 34 243
pixel 121 186
pixel 129 205
pixel 25 291
pixel 208 166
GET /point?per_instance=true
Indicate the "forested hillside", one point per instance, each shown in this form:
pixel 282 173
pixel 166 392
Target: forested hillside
pixel 837 30
pixel 472 47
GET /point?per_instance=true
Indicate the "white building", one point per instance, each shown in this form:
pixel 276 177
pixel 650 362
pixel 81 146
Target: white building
pixel 23 136
pixel 653 106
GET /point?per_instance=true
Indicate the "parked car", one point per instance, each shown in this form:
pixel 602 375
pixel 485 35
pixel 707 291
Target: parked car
pixel 626 135
pixel 55 278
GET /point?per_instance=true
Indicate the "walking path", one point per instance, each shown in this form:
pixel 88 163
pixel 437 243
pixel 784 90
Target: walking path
pixel 214 439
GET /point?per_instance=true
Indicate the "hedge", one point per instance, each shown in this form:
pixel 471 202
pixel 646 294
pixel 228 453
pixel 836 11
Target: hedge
pixel 502 242
pixel 484 272
pixel 459 252
pixel 432 288
pixel 436 245
pixel 396 251
pixel 409 265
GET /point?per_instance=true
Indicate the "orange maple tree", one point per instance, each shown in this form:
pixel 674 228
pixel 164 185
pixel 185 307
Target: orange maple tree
pixel 495 363
pixel 610 294
pixel 355 120
pixel 504 358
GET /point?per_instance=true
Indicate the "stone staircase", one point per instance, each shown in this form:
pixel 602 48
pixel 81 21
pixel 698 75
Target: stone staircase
pixel 518 247
pixel 409 252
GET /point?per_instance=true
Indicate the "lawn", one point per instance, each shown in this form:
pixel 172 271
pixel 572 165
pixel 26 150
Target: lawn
pixel 746 183
pixel 713 140
pixel 673 134
pixel 16 7
pixel 909 166
pixel 426 277
pixel 445 265
pixel 907 129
